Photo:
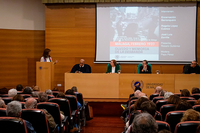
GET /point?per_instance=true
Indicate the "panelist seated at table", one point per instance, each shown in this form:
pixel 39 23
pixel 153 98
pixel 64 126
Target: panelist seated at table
pixel 81 68
pixel 113 67
pixel 145 68
pixel 193 68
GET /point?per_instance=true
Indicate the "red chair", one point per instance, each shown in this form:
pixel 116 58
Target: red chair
pixel 158 116
pixel 196 107
pixel 153 95
pixel 3 95
pixel 25 95
pixel 192 102
pixel 3 112
pixel 50 96
pixel 166 108
pixel 196 96
pixel 155 99
pixel 187 98
pixel 187 127
pixel 7 99
pixel 55 93
pixel 160 103
pixel 178 94
pixel 163 125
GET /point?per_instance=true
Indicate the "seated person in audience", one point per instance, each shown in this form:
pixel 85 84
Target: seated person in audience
pixel 12 92
pixel 136 93
pixel 185 93
pixel 173 99
pixel 71 92
pixel 164 131
pixel 49 92
pixel 148 107
pixel 55 89
pixel 167 95
pixel 74 88
pixel 190 115
pixel 193 69
pixel 19 87
pixel 145 68
pixel 31 103
pixel 60 95
pixel 81 68
pixel 144 123
pixel 137 88
pixel 158 89
pixel 2 103
pixel 14 109
pixel 18 97
pixel 3 91
pixel 162 93
pixel 113 67
pixel 195 90
pixel 183 105
pixel 34 94
pixel 42 97
pixel 36 88
pixel 197 102
pixel 27 90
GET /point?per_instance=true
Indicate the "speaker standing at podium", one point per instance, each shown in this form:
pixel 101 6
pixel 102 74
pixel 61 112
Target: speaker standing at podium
pixel 46 57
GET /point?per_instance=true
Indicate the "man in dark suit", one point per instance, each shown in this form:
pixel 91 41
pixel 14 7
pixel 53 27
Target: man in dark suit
pixel 81 68
pixel 193 68
pixel 145 68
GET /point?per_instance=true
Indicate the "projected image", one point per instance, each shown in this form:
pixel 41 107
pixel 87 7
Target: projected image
pixel 134 23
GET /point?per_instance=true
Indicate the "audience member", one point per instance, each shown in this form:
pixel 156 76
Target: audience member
pixel 60 95
pixel 55 89
pixel 19 87
pixel 34 94
pixel 27 90
pixel 137 92
pixel 2 103
pixel 18 97
pixel 164 131
pixel 14 109
pixel 137 88
pixel 12 92
pixel 148 107
pixel 174 99
pixel 195 90
pixel 144 123
pixel 183 105
pixel 197 102
pixel 71 92
pixel 49 92
pixel 36 88
pixel 3 91
pixel 74 88
pixel 31 103
pixel 190 115
pixel 138 103
pixel 158 89
pixel 167 95
pixel 162 93
pixel 185 93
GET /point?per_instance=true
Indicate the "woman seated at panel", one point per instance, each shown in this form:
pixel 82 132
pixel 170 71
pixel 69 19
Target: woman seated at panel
pixel 113 67
pixel 145 68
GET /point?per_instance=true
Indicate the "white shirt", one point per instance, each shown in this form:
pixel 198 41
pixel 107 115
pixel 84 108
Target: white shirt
pixel 113 69
pixel 49 59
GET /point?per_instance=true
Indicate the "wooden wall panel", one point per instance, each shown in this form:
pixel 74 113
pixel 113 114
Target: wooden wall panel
pixel 70 34
pixel 19 50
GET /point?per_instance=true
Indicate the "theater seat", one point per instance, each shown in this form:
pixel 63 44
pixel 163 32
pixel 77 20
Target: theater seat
pixel 160 103
pixel 165 109
pixel 163 125
pixel 191 102
pixel 50 96
pixel 187 98
pixel 196 96
pixel 187 127
pixel 196 107
pixel 2 112
pixel 55 93
pixel 153 95
pixel 155 99
pixel 132 102
pixel 158 116
pixel 173 118
pixel 12 125
pixel 7 99
pixel 177 94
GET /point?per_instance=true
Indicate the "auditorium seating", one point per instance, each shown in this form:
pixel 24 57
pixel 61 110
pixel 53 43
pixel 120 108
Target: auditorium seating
pixel 160 103
pixel 2 112
pixel 177 94
pixel 196 96
pixel 191 102
pixel 187 98
pixel 153 95
pixel 132 98
pixel 25 95
pixel 158 116
pixel 196 107
pixel 55 93
pixel 51 96
pixel 165 109
pixel 187 127
pixel 155 99
pixel 173 118
pixel 3 95
pixel 132 102
pixel 163 125
pixel 7 99
pixel 12 125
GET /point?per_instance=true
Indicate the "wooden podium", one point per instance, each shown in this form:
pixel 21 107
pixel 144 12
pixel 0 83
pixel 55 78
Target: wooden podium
pixel 45 75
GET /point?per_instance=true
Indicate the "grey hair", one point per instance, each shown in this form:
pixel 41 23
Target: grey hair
pixel 49 92
pixel 1 103
pixel 12 92
pixel 31 104
pixel 167 95
pixel 14 109
pixel 42 97
pixel 144 123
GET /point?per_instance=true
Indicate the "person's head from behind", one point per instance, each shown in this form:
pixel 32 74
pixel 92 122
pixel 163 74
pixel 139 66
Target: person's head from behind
pixel 193 64
pixel 164 131
pixel 69 92
pixel 185 93
pixel 138 103
pixel 190 115
pixel 42 97
pixel 144 63
pixel 158 89
pixel 36 88
pixel 18 97
pixel 34 94
pixel 144 123
pixel 19 87
pixel 167 95
pixel 74 88
pixel 27 90
pixel 3 91
pixel 2 103
pixel 60 95
pixel 174 99
pixel 195 90
pixel 49 92
pixel 12 92
pixel 113 63
pixel 183 105
pixel 136 93
pixel 148 107
pixel 31 103
pixel 14 109
pixel 162 93
pixel 137 88
pixel 46 53
pixel 82 62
